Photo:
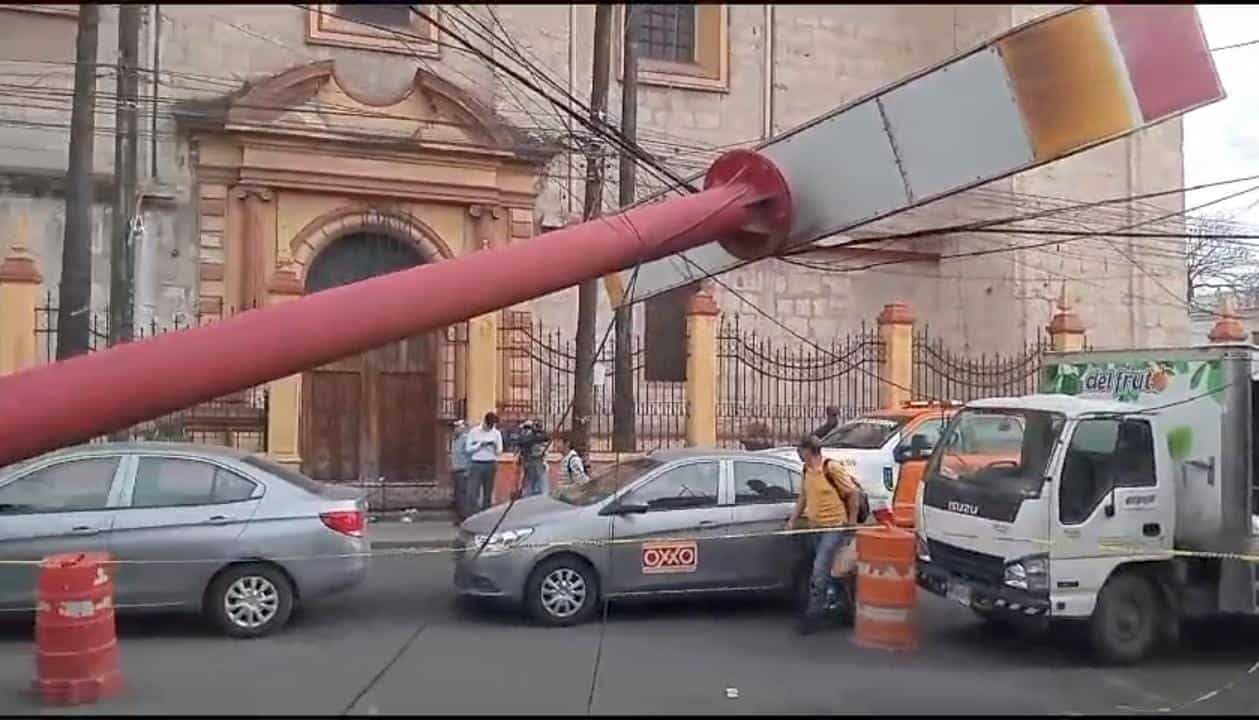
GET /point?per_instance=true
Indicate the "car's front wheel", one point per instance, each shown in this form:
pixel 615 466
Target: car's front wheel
pixel 562 590
pixel 249 601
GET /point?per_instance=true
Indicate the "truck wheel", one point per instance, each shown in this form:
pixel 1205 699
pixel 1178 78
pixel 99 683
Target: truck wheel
pixel 1127 621
pixel 562 590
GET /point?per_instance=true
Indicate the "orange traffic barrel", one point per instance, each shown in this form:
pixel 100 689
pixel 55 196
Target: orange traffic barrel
pixel 76 646
pixel 886 591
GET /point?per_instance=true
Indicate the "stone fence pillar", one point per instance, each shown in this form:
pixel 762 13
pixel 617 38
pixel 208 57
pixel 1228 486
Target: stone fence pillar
pixel 19 295
pixel 284 405
pixel 896 331
pixel 701 370
pixel 1066 329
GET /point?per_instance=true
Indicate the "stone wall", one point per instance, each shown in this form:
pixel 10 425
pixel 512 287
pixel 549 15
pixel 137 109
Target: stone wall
pixel 823 56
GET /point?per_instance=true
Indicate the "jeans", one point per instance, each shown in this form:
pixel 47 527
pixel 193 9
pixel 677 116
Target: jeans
pixel 459 488
pixel 534 480
pixel 481 485
pixel 825 546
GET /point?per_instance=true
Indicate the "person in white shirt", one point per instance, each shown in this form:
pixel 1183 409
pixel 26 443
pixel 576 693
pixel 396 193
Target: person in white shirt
pixel 484 445
pixel 572 466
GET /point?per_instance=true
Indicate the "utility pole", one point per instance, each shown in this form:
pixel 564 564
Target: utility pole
pixel 588 290
pixel 623 432
pixel 122 248
pixel 74 297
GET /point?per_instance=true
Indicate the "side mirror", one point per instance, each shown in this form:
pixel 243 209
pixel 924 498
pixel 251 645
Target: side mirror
pixel 616 508
pixel 901 454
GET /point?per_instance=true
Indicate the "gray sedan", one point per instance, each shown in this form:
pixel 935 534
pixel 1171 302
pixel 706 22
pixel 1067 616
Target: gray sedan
pixel 233 535
pixel 646 527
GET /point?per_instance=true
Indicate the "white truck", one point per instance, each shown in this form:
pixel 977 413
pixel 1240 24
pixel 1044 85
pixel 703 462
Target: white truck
pixel 1124 507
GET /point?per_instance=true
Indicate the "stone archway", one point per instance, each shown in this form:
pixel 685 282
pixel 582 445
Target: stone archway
pixel 373 416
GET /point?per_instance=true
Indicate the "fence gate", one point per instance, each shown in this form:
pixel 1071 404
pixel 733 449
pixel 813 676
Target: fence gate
pixel 773 391
pixel 941 373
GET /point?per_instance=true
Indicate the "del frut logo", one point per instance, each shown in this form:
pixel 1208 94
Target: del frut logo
pixel 1123 381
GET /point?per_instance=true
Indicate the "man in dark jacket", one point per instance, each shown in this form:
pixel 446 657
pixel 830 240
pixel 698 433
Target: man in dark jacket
pixel 533 442
pixel 832 422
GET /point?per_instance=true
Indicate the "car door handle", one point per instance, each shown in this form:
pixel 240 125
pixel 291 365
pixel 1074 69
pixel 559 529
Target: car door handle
pixel 84 530
pixel 219 519
pixel 1151 530
pixel 708 523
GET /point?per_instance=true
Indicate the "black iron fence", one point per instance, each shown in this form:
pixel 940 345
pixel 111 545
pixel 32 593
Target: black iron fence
pixel 237 420
pixel 942 373
pixel 538 367
pixel 772 391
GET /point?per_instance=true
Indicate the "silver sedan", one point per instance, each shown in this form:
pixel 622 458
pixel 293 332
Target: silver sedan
pixel 688 521
pixel 233 535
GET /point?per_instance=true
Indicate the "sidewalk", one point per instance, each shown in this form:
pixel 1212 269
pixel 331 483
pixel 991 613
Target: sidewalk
pixel 387 534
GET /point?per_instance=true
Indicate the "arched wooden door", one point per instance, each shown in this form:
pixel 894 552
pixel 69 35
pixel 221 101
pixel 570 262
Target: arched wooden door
pixel 372 416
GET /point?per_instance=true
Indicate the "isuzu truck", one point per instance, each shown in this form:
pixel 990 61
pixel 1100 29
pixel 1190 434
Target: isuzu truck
pixel 1128 504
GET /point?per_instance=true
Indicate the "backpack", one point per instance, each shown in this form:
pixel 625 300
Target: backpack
pixel 863 502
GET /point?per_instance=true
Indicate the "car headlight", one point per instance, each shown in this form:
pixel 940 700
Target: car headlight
pixel 500 542
pixel 1030 574
pixel 921 547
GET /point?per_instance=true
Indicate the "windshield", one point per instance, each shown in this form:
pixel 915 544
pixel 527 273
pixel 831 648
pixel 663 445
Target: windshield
pixel 997 446
pixel 868 433
pixel 604 482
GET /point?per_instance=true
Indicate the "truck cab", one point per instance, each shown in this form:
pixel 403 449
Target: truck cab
pixel 1114 499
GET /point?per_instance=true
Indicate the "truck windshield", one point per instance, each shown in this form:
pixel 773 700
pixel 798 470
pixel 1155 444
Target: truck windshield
pixel 869 433
pixel 1009 448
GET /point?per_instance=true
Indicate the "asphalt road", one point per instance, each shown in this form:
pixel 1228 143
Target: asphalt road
pixel 400 644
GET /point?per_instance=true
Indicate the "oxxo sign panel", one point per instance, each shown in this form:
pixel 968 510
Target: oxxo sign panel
pixel 670 557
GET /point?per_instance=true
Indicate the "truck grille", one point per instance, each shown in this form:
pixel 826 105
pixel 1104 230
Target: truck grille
pixel 972 565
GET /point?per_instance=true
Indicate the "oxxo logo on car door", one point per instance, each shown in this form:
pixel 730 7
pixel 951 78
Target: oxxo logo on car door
pixel 670 557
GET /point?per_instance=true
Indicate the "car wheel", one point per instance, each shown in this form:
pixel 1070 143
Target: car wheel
pixel 249 601
pixel 562 591
pixel 1128 620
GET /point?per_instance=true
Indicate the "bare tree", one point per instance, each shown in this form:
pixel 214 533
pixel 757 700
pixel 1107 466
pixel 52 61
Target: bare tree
pixel 1217 263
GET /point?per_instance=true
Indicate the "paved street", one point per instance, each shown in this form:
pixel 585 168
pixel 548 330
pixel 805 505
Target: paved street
pixel 680 657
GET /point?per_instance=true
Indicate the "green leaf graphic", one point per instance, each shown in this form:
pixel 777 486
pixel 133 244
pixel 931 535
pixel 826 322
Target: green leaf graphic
pixel 1215 380
pixel 1181 367
pixel 1197 376
pixel 1180 442
pixel 1070 385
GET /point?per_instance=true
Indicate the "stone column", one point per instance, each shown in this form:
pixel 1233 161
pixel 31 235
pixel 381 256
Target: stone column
pixel 701 369
pixel 285 402
pixel 896 331
pixel 259 246
pixel 482 362
pixel 1066 329
pixel 19 296
pixel 1228 326
pixel 234 253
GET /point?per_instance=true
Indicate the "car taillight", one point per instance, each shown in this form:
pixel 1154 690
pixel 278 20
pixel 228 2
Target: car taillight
pixel 884 516
pixel 346 522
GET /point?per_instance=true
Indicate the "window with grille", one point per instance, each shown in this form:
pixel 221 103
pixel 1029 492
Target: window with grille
pixel 665 32
pixel 388 27
pixel 397 15
pixel 665 336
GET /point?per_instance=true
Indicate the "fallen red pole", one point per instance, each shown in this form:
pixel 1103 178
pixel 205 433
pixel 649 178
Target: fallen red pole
pixel 746 205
